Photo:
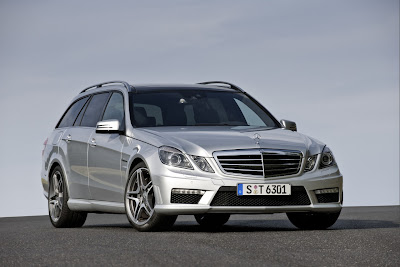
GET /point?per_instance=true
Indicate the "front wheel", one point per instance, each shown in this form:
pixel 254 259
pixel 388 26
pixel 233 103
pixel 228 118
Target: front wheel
pixel 140 202
pixel 313 221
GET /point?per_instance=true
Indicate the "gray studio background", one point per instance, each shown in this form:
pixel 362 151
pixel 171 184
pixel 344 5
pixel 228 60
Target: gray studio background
pixel 331 66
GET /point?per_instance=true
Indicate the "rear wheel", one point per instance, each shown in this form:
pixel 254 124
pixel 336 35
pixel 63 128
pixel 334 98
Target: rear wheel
pixel 140 202
pixel 313 221
pixel 212 219
pixel 59 213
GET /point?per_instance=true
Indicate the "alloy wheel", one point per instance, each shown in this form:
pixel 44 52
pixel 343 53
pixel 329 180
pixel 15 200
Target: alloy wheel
pixel 56 196
pixel 139 197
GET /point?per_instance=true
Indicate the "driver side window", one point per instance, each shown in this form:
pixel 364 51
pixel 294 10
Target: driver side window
pixel 115 110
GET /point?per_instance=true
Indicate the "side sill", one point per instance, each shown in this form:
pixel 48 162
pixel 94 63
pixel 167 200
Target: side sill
pixel 96 206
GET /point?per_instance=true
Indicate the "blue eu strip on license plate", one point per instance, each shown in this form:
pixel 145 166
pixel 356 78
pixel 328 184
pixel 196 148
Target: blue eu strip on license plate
pixel 240 189
pixel 263 189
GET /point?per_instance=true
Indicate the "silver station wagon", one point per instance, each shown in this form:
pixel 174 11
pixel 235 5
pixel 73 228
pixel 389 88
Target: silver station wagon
pixel 209 150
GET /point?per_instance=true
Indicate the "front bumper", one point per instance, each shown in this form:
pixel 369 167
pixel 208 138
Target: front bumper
pixel 211 183
pixel 189 209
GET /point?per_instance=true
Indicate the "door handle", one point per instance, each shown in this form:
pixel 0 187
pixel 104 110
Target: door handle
pixel 68 138
pixel 93 142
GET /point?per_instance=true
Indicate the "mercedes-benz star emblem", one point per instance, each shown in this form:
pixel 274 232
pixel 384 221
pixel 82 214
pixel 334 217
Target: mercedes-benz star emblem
pixel 257 138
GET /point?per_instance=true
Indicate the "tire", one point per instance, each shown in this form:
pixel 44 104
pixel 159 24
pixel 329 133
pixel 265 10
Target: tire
pixel 140 202
pixel 60 215
pixel 313 221
pixel 212 220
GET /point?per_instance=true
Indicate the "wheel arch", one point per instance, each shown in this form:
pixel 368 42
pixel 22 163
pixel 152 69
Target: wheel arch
pixel 135 161
pixel 53 165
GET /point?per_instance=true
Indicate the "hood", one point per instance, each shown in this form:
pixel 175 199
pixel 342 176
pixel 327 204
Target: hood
pixel 203 141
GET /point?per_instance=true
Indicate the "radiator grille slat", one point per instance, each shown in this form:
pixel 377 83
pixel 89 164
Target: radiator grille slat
pixel 239 163
pixel 243 170
pixel 240 157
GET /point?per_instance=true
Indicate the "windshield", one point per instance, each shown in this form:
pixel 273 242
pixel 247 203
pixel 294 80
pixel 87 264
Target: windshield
pixel 197 108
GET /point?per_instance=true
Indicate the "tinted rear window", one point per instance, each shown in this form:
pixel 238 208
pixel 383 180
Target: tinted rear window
pixel 73 111
pixel 94 110
pixel 79 118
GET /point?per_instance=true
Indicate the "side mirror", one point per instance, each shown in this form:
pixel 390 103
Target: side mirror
pixel 108 126
pixel 289 125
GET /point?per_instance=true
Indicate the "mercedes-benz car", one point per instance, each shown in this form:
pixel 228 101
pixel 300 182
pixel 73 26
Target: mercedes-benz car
pixel 209 149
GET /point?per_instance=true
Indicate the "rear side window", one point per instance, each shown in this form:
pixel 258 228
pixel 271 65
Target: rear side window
pixel 79 118
pixel 94 110
pixel 115 109
pixel 73 111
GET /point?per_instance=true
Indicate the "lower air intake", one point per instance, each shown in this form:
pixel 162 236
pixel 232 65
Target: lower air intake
pixel 328 198
pixel 185 198
pixel 226 196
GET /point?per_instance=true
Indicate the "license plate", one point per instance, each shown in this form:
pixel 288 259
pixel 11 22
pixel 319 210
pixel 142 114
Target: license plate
pixel 263 189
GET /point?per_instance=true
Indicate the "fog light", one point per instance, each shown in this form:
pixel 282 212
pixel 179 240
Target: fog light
pixel 327 191
pixel 188 191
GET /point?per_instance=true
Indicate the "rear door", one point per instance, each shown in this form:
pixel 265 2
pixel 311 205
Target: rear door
pixel 79 136
pixel 104 156
pixel 73 150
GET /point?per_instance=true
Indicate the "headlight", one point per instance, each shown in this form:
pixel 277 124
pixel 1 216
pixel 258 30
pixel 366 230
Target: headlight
pixel 327 159
pixel 202 163
pixel 173 157
pixel 310 163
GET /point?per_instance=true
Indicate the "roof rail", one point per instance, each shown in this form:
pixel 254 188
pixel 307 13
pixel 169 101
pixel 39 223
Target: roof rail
pixel 125 84
pixel 235 87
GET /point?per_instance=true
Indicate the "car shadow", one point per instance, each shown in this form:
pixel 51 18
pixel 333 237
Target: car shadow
pixel 281 225
pixel 364 224
pixel 260 226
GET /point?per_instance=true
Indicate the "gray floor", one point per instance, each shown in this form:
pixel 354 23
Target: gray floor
pixel 362 236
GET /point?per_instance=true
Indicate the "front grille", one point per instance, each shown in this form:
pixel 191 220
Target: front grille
pixel 328 198
pixel 281 164
pixel 242 164
pixel 185 198
pixel 262 163
pixel 226 196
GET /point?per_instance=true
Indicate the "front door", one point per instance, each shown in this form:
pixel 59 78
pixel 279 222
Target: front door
pixel 104 161
pixel 104 156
